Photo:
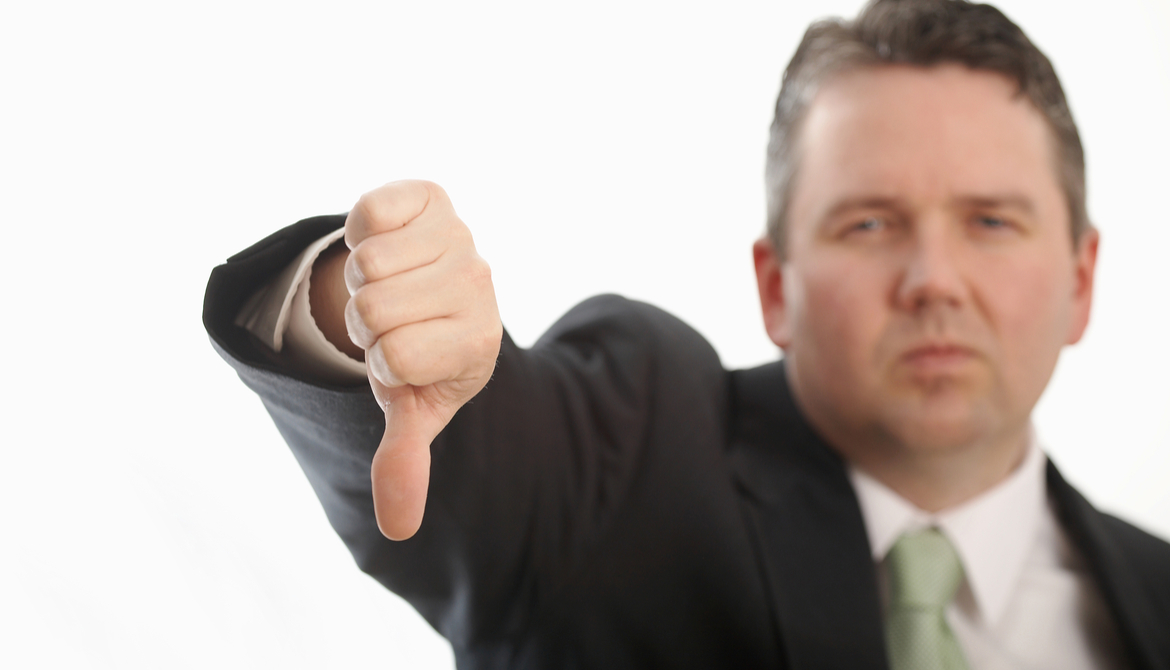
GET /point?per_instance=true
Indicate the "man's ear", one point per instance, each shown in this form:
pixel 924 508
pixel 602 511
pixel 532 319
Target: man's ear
pixel 770 280
pixel 1085 267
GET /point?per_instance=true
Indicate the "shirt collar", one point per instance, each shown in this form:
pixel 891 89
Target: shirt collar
pixel 993 532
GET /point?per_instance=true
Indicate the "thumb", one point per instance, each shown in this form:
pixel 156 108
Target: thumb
pixel 400 472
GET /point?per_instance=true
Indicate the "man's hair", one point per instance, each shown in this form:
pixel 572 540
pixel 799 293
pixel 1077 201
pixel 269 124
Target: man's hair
pixel 924 33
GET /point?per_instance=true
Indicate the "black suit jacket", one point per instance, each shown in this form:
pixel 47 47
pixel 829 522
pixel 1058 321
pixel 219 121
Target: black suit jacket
pixel 615 499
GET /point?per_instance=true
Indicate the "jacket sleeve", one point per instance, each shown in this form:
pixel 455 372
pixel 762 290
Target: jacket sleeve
pixel 525 478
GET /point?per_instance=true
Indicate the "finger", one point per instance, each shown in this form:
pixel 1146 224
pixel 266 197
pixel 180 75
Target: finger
pixel 439 350
pixel 409 247
pixel 400 475
pixel 382 393
pixel 390 207
pixel 444 288
pixel 400 472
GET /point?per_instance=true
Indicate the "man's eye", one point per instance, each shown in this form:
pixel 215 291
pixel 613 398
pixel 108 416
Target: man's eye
pixel 992 222
pixel 870 223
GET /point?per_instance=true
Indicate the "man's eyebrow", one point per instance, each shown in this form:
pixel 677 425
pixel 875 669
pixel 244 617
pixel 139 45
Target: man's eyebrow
pixel 862 202
pixel 997 201
pixel 992 201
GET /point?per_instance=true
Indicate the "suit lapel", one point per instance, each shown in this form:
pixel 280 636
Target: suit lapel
pixel 810 537
pixel 1135 615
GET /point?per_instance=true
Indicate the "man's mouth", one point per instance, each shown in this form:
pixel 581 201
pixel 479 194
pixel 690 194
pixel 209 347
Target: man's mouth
pixel 940 356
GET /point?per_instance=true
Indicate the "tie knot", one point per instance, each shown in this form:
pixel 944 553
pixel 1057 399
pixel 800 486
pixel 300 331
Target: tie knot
pixel 924 569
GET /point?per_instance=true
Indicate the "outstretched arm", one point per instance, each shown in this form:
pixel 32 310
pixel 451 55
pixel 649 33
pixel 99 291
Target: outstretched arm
pixel 527 477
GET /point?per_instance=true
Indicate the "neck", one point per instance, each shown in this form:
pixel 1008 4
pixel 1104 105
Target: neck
pixel 939 480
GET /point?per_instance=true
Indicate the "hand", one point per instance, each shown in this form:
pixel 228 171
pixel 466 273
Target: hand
pixel 423 308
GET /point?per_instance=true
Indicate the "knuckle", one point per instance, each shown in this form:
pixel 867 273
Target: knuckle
pixel 481 353
pixel 369 208
pixel 459 235
pixel 433 191
pixel 476 272
pixel 362 219
pixel 482 268
pixel 490 340
pixel 473 269
pixel 483 345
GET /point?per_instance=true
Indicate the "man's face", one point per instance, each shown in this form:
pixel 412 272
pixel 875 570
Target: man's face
pixel 931 280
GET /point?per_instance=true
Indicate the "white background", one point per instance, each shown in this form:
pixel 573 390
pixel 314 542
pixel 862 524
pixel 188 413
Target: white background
pixel 152 517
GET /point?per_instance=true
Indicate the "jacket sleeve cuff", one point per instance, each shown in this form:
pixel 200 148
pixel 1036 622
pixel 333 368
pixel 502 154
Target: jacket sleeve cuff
pixel 278 315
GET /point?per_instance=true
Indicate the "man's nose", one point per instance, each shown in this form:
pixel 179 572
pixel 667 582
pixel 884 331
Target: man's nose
pixel 932 275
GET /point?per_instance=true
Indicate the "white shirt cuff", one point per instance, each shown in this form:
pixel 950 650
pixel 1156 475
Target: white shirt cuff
pixel 279 315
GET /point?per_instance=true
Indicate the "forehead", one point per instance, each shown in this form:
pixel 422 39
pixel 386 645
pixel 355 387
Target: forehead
pixel 923 135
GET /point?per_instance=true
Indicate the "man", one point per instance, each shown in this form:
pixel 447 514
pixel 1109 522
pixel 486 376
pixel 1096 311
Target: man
pixel 614 498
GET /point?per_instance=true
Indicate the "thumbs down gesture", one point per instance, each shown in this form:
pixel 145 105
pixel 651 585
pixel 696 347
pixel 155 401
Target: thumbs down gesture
pixel 423 309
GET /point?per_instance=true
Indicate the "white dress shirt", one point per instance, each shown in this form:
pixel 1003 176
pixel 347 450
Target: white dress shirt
pixel 1027 601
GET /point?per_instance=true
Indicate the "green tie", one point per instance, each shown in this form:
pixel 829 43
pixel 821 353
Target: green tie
pixel 925 572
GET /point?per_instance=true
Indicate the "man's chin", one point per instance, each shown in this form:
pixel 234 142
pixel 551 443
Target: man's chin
pixel 940 426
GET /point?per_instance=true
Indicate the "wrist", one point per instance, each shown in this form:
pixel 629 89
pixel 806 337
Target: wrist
pixel 328 297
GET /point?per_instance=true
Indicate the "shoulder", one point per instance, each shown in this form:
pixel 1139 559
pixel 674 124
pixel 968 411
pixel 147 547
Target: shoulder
pixel 1131 566
pixel 619 317
pixel 637 338
pixel 1147 555
pixel 1137 576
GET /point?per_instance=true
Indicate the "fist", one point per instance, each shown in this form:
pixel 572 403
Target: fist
pixel 423 309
